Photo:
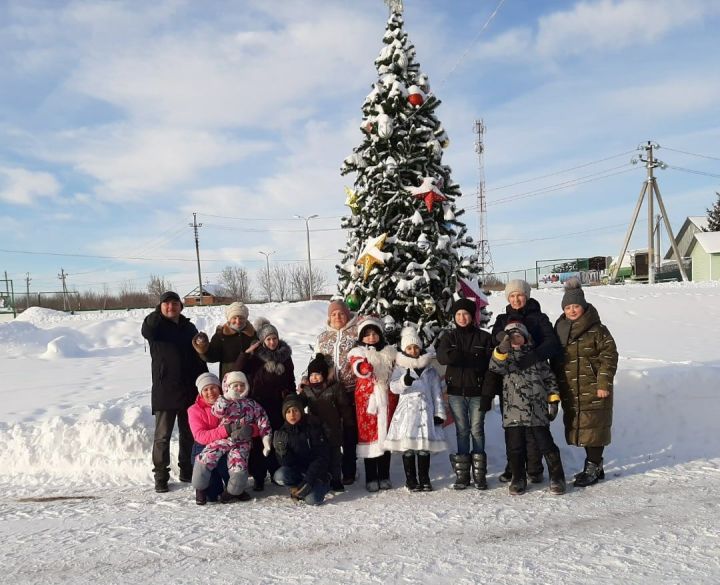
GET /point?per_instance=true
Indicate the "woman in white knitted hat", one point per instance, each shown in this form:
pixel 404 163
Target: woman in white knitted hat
pixel 229 340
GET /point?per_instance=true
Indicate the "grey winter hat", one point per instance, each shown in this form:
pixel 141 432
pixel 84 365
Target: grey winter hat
pixel 206 379
pixel 264 328
pixel 574 294
pixel 519 327
pixel 517 286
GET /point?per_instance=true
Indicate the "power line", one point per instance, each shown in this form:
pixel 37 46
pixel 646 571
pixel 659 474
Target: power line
pixel 691 153
pixel 566 235
pixel 266 218
pixel 692 171
pixel 563 171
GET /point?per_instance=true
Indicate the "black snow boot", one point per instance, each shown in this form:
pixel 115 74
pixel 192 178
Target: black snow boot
pixel 556 472
pixel 479 470
pixel 518 482
pixel 424 472
pixel 161 485
pixel 461 467
pixel 411 481
pixel 590 475
pixel 200 497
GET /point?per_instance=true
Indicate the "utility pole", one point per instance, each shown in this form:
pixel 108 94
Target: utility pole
pixel 307 233
pixel 195 225
pixel 27 290
pixel 485 263
pixel 62 276
pixel 267 263
pixel 651 189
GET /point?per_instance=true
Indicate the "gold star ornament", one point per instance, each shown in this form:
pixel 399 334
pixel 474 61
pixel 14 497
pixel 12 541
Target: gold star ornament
pixel 372 255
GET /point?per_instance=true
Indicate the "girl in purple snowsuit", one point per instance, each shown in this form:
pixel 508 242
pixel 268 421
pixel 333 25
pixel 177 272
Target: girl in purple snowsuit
pixel 238 412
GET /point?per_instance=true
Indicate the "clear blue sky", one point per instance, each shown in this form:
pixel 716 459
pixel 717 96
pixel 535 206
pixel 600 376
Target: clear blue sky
pixel 118 120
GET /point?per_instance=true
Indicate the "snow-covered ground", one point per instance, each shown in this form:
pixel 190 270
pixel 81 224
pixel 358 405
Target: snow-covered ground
pixel 78 504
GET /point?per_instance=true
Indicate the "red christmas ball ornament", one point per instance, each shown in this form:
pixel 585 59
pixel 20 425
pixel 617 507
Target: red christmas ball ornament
pixel 416 99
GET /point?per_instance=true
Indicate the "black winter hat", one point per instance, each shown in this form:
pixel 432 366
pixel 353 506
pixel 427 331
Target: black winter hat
pixel 574 294
pixel 170 296
pixel 318 365
pixel 464 305
pixel 292 401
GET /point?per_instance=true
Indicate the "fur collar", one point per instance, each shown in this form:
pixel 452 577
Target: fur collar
pixel 382 361
pixel 274 360
pixel 421 362
pixel 228 331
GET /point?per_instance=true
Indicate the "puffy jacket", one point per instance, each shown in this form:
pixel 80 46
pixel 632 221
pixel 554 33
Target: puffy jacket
pixel 304 447
pixel 332 405
pixel 175 364
pixel 589 362
pixel 227 344
pixel 205 426
pixel 466 352
pixel 335 344
pixel 538 325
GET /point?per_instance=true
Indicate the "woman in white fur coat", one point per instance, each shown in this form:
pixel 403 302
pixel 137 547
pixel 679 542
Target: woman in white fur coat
pixel 372 361
pixel 416 427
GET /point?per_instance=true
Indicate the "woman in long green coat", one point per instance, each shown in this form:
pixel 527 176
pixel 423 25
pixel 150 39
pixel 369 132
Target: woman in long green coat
pixel 585 376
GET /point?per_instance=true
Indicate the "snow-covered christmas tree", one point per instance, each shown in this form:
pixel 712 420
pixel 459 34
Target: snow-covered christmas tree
pixel 713 216
pixel 403 254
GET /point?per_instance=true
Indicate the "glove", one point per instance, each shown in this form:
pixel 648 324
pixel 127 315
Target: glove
pixel 280 443
pixel 504 345
pixel 485 403
pixel 527 359
pixel 438 421
pixel 241 433
pixel 408 379
pixel 201 343
pixel 267 445
pixel 552 410
pixel 298 492
pixel 365 368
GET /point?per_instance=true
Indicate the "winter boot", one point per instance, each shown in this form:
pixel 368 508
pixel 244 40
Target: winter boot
pixel 479 470
pixel 556 472
pixel 506 475
pixel 237 482
pixel 590 474
pixel 200 497
pixel 161 485
pixel 518 481
pixel 461 467
pixel 424 472
pixel 411 481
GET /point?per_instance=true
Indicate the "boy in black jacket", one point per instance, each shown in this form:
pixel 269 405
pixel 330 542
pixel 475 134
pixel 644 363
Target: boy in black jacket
pixel 303 453
pixel 466 351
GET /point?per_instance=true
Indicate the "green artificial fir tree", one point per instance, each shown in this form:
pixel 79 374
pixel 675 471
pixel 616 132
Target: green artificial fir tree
pixel 403 252
pixel 713 216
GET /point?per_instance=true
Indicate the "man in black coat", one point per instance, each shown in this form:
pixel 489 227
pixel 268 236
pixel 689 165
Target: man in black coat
pixel 175 367
pixel 525 310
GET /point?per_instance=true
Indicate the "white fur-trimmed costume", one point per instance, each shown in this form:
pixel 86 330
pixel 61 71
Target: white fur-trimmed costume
pixel 374 404
pixel 412 426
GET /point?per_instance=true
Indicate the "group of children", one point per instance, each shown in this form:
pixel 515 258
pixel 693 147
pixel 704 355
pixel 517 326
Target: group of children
pixel 398 407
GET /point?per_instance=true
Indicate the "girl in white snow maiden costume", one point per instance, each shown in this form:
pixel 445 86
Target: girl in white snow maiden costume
pixel 416 426
pixel 372 362
pixel 235 409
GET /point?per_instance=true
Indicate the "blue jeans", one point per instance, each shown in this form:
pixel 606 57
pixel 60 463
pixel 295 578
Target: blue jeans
pixel 218 477
pixel 290 476
pixel 469 422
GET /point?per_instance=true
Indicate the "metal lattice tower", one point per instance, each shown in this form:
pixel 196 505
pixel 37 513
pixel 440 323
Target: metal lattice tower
pixel 485 263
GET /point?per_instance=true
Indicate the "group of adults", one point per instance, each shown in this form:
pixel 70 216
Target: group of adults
pixel 180 354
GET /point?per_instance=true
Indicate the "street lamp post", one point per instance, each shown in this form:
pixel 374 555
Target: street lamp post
pixel 307 233
pixel 267 263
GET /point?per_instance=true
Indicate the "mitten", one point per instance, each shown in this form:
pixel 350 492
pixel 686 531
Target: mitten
pixel 527 359
pixel 365 368
pixel 241 433
pixel 281 443
pixel 504 345
pixel 372 405
pixel 552 410
pixel 437 420
pixel 300 491
pixel 485 403
pixel 408 380
pixel 201 343
pixel 267 445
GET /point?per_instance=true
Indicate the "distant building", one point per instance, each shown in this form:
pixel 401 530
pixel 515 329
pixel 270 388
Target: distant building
pixel 705 253
pixel 211 295
pixel 684 238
